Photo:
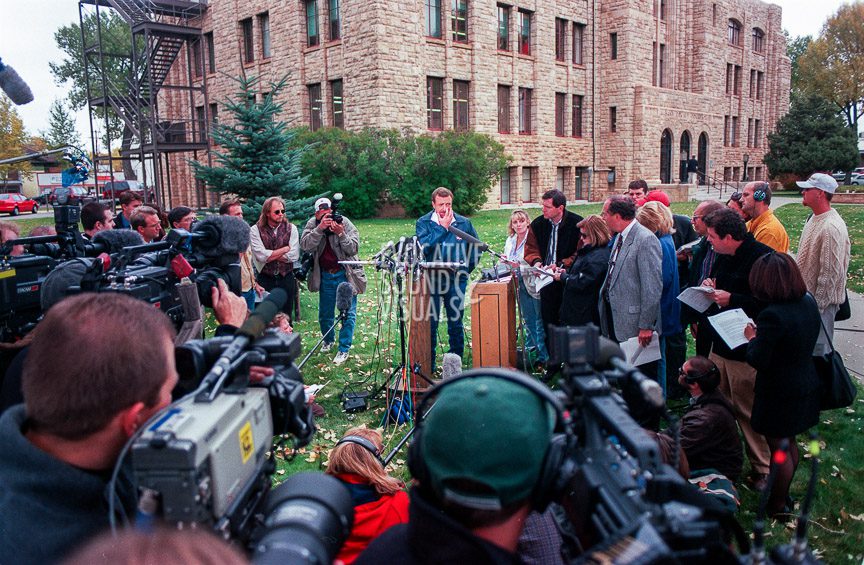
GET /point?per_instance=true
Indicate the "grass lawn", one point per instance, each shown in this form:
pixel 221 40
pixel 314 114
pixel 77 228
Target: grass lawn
pixel 837 532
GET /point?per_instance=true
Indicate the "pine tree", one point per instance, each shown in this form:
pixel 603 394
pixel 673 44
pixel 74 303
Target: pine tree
pixel 61 127
pixel 255 161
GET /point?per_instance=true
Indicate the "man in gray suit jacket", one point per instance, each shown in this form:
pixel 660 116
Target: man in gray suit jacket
pixel 630 296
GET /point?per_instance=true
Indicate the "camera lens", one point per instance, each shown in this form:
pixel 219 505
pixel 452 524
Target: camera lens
pixel 308 518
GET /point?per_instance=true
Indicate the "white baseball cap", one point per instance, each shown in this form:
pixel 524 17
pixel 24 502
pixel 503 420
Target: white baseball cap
pixel 321 201
pixel 823 182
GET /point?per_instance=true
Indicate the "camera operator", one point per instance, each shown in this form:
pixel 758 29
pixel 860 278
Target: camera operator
pixel 95 217
pixel 477 471
pixel 60 446
pixel 275 247
pixel 331 239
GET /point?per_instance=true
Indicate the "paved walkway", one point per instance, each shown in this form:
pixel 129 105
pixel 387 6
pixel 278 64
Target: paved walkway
pixel 849 337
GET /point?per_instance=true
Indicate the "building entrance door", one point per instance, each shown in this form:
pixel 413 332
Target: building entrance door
pixel 666 157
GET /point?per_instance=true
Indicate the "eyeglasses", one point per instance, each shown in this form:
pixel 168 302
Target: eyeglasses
pixel 278 212
pixel 696 217
pixel 736 196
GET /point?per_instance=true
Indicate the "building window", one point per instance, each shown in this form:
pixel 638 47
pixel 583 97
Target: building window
pixel 733 132
pixel 757 134
pixel 197 58
pixel 337 103
pixel 312 38
pixel 729 72
pixel 525 110
pixel 211 52
pixel 758 40
pixel 758 174
pixel 714 14
pixel 613 119
pixel 661 66
pixel 736 79
pixel 734 32
pixel 314 106
pixel 201 119
pixel 578 41
pixel 503 28
pixel 560 39
pixel 577 115
pixel 334 20
pixel 561 178
pixel 524 32
pixel 727 174
pixel 214 119
pixel 503 109
pixel 736 173
pixel 248 44
pixel 662 9
pixel 528 179
pixel 560 114
pixel 504 183
pixel 264 26
pixel 752 83
pixel 750 132
pixel 613 46
pixel 760 79
pixel 580 175
pixel 459 21
pixel 460 105
pixel 433 18
pixel 435 103
pixel 725 131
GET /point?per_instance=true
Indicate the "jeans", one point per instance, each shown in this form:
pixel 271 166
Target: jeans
pixel 450 289
pixel 249 297
pixel 327 307
pixel 532 320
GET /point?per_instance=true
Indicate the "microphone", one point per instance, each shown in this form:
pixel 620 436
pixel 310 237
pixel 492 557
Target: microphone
pixel 253 327
pixel 468 237
pixel 388 245
pixel 113 241
pixel 400 249
pixel 344 299
pixel 451 366
pixel 14 86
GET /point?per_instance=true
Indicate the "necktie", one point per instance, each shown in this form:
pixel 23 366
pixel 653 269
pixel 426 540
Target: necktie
pixel 618 243
pixel 553 246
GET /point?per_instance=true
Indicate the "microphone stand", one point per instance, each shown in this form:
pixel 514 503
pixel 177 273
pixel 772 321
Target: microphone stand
pixel 343 316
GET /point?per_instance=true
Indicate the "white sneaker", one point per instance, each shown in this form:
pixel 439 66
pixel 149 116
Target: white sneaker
pixel 340 358
pixel 326 346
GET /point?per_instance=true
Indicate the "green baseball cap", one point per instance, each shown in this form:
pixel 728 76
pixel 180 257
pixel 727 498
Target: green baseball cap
pixel 486 434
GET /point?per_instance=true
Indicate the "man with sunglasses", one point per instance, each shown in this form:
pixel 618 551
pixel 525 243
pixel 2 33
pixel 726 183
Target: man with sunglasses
pixel 709 433
pixel 761 221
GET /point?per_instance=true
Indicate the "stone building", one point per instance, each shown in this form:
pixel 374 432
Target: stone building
pixel 584 95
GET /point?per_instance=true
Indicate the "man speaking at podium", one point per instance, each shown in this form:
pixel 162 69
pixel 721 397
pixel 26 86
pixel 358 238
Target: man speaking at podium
pixel 439 244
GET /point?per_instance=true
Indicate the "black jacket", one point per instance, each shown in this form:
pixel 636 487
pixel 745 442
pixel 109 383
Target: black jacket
pixel 684 233
pixel 732 274
pixel 582 286
pixel 430 536
pixel 786 401
pixel 540 232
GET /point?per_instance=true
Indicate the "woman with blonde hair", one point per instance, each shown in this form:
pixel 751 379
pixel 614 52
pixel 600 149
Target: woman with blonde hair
pixel 380 500
pixel 529 297
pixel 582 282
pixel 658 218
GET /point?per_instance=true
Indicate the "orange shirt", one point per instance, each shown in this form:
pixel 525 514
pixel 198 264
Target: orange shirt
pixel 767 229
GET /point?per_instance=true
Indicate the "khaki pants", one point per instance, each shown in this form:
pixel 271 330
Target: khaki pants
pixel 737 380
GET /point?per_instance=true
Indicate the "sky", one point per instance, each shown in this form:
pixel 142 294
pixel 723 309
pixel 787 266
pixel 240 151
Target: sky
pixel 27 45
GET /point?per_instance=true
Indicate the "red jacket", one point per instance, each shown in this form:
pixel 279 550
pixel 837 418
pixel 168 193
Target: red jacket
pixel 371 520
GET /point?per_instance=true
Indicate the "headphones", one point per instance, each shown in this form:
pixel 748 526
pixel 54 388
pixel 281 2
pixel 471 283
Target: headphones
pixel 691 379
pixel 761 193
pixel 365 444
pixel 551 481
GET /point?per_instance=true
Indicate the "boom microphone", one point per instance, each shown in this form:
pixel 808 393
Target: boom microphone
pixel 468 237
pixel 113 241
pixel 219 235
pixel 14 86
pixel 344 299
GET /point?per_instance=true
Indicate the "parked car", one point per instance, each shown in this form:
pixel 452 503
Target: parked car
pixel 42 198
pixel 857 179
pixel 74 195
pixel 113 189
pixel 13 204
pixel 839 176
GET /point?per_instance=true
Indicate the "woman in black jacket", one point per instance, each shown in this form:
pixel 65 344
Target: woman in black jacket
pixel 786 399
pixel 583 281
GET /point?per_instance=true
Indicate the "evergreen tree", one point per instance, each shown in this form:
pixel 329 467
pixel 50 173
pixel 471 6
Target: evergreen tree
pixel 255 160
pixel 811 137
pixel 61 127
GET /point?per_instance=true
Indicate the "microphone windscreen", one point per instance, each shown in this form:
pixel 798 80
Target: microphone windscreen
pixel 264 313
pixel 223 235
pixel 115 240
pixel 607 351
pixel 60 279
pixel 344 296
pixel 451 365
pixel 14 86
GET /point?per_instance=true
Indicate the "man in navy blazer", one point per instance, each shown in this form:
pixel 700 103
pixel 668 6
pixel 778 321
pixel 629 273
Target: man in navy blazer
pixel 439 244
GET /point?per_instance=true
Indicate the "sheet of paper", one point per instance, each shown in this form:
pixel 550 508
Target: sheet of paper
pixel 542 279
pixel 636 355
pixel 687 246
pixel 312 390
pixel 730 325
pixel 697 297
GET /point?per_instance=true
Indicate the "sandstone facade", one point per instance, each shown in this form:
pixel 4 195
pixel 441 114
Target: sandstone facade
pixel 658 80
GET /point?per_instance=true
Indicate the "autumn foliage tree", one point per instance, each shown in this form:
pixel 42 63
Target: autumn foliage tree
pixel 13 136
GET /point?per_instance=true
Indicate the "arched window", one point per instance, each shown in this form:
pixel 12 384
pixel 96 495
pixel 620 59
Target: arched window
pixel 666 157
pixel 734 32
pixel 758 40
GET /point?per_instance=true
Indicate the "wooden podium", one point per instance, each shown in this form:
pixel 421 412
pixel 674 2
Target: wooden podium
pixel 493 324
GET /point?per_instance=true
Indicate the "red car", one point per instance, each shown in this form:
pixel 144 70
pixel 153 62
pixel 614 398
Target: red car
pixel 14 203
